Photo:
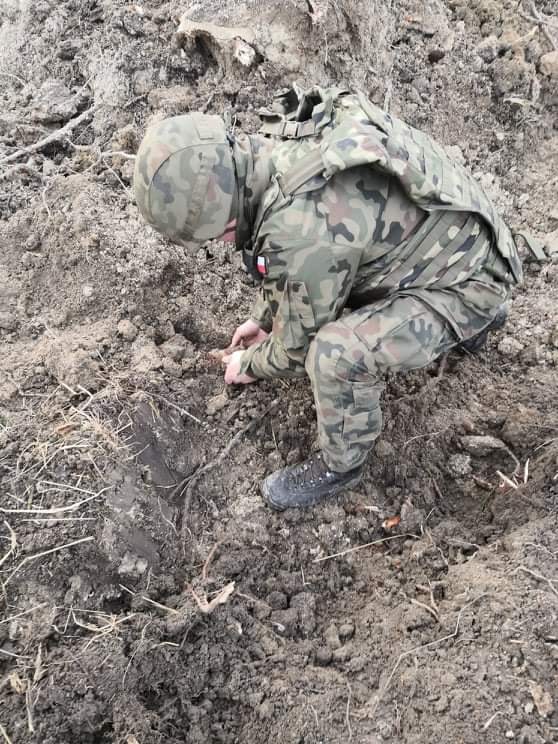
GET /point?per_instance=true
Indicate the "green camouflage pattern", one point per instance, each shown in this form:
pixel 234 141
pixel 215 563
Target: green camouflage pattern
pixel 349 130
pixel 419 281
pixel 348 360
pixel 184 179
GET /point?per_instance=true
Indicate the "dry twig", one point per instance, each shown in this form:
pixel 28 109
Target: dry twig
pixel 5 735
pixel 542 23
pixel 221 598
pixel 30 558
pixel 186 486
pixel 24 612
pixel 55 509
pixel 50 138
pixel 13 543
pixel 208 560
pixel 416 649
pixel 540 577
pixel 150 601
pixel 361 547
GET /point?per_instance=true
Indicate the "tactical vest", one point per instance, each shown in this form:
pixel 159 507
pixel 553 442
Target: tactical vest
pixel 346 130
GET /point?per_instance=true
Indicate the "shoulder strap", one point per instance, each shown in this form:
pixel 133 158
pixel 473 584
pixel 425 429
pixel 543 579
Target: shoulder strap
pixel 535 246
pixel 288 128
pixel 306 168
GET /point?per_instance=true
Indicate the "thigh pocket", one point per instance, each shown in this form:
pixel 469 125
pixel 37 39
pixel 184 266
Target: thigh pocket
pixel 362 428
pixel 294 322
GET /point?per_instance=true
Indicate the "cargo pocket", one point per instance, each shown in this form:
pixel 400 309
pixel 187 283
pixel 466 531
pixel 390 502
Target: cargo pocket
pixel 362 421
pixel 294 322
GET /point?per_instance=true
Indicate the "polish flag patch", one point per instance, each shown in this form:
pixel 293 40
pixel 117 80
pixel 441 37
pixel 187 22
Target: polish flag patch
pixel 261 265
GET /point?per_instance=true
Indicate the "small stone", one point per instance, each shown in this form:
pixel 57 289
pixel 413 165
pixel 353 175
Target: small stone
pixel 509 734
pixel 274 460
pixel 172 368
pixel 285 621
pixel 529 708
pixel 417 618
pixel 459 465
pixel 142 82
pixel 8 321
pixel 510 346
pixel 542 699
pixel 305 603
pixel 332 637
pixel 346 631
pixel 216 403
pixel 412 518
pixel 323 656
pixel 68 48
pixel 266 710
pixel 53 103
pixel 531 355
pixel 126 139
pixel 277 600
pixel 482 446
pixel 132 565
pixel 87 290
pixel 422 84
pixel 172 350
pixel 488 49
pixel 174 99
pixel 383 449
pixel 548 64
pixel 342 654
pixel 127 330
pixel 244 53
pixel 436 54
pixel 146 357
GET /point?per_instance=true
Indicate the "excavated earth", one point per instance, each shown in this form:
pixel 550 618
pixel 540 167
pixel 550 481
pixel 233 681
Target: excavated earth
pixel 147 594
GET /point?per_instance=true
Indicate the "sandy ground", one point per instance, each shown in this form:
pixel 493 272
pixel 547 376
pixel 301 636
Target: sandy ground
pixel 147 594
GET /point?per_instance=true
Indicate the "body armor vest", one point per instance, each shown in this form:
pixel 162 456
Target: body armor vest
pixel 344 130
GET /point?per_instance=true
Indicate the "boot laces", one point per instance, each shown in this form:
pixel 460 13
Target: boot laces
pixel 311 472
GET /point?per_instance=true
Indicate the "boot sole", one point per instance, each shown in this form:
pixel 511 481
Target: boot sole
pixel 280 507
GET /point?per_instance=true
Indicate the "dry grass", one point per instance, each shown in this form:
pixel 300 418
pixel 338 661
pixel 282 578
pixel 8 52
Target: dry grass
pixel 87 436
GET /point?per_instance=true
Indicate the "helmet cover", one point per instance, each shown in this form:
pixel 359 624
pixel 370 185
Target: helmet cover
pixel 184 177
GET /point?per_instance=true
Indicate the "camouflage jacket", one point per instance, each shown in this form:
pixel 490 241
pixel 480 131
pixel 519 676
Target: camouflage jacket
pixel 331 232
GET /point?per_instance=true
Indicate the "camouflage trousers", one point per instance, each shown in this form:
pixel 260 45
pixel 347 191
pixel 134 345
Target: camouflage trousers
pixel 349 358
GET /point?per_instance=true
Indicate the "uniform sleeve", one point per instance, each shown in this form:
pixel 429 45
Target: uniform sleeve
pixel 307 285
pixel 261 313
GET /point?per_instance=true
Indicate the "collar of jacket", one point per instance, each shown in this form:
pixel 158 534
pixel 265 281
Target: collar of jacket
pixel 254 168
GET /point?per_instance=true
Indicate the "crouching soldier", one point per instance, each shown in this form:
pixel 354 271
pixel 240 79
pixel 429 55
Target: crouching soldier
pixel 375 251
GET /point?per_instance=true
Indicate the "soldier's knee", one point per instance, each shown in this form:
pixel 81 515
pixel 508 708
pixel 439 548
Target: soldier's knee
pixel 326 350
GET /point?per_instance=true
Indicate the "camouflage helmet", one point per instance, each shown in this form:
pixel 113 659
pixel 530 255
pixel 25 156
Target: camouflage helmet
pixel 184 179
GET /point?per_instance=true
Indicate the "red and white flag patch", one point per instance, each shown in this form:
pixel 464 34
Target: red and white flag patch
pixel 261 265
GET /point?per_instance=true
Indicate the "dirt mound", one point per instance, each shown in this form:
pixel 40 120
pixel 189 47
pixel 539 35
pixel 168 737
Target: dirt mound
pixel 148 596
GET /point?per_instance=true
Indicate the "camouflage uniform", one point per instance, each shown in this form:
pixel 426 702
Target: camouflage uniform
pixel 418 282
pixel 340 207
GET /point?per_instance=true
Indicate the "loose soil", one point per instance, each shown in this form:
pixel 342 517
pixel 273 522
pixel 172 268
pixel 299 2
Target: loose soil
pixel 148 596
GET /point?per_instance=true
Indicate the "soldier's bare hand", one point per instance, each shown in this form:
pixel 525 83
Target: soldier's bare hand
pixel 232 372
pixel 248 334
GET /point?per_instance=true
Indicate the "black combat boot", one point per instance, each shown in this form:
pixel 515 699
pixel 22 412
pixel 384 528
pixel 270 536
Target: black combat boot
pixel 306 483
pixel 475 343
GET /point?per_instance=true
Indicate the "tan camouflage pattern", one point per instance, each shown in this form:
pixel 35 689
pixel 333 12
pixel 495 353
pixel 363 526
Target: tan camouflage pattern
pixel 184 179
